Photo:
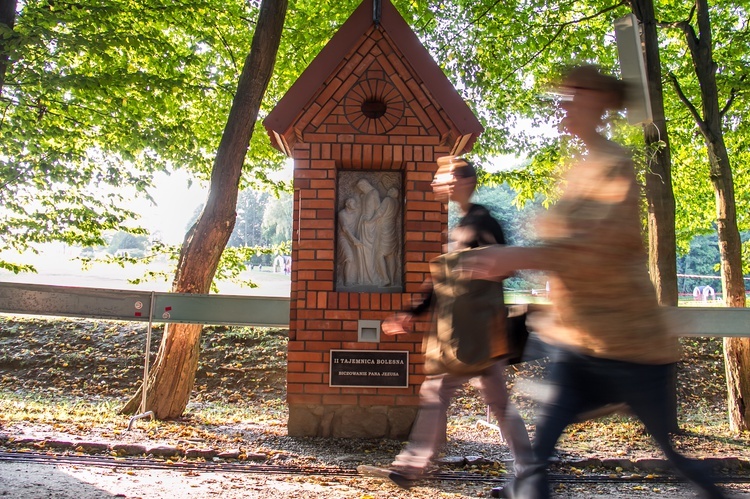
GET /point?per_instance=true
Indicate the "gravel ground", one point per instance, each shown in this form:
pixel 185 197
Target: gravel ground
pixel 24 480
pixel 329 465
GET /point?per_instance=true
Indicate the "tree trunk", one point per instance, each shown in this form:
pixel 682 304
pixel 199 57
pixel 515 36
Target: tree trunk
pixel 730 244
pixel 736 360
pixel 662 244
pixel 736 350
pixel 171 381
pixel 7 18
pixel 659 194
pixel 709 124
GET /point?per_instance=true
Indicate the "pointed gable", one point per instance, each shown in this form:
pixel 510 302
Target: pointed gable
pixel 372 79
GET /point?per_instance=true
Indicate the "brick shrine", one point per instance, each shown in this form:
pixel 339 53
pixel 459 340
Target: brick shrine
pixel 373 103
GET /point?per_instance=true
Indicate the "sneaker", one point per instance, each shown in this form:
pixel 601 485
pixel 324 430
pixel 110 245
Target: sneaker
pixel 403 478
pixel 498 492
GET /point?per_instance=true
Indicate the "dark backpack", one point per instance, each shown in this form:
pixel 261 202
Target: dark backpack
pixel 470 317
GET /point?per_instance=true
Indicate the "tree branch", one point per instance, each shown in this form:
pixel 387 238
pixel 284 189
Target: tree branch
pixel 691 38
pixel 732 95
pixel 730 101
pixel 693 111
pixel 227 48
pixel 559 31
pixel 686 27
pixel 673 24
pixel 704 24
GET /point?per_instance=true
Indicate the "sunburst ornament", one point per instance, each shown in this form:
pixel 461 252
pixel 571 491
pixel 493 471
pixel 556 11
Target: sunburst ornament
pixel 374 106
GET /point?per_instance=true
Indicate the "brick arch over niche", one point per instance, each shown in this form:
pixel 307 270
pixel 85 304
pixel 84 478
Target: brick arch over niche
pixel 372 105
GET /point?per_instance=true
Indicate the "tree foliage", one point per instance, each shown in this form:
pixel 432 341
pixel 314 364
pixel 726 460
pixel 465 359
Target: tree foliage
pixel 127 241
pixel 699 261
pixel 502 56
pixel 278 218
pixel 98 96
pixel 515 220
pixel 248 230
pixel 697 212
pixel 167 390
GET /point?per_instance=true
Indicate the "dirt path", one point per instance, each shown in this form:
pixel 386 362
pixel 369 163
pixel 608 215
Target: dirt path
pixel 65 481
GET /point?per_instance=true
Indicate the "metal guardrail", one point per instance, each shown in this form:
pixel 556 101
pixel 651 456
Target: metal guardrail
pixel 70 301
pixel 711 321
pixel 115 304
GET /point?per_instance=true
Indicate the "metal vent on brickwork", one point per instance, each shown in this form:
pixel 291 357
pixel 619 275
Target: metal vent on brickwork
pixel 368 331
pixel 374 106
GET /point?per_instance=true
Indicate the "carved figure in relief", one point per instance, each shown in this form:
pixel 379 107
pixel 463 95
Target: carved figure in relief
pixel 368 232
pixel 349 245
pixel 386 249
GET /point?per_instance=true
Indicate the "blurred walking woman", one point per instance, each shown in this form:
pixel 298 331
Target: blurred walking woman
pixel 610 338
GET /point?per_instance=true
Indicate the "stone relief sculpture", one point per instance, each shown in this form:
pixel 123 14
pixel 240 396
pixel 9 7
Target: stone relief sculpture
pixel 369 231
pixel 349 245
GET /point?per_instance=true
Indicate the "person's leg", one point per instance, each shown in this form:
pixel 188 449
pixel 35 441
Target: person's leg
pixel 567 393
pixel 570 388
pixel 492 384
pixel 428 431
pixel 646 390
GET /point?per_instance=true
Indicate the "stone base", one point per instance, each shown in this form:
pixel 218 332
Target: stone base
pixel 350 421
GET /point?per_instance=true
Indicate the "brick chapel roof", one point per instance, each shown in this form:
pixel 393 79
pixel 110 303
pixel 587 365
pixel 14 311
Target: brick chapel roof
pixel 312 81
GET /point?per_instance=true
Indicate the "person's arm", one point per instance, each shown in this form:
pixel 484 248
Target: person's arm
pixel 497 262
pixel 351 238
pixel 400 322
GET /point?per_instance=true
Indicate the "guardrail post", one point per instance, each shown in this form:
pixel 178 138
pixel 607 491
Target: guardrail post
pixel 144 388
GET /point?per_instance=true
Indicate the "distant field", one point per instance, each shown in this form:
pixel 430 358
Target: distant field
pixel 520 297
pixel 59 270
